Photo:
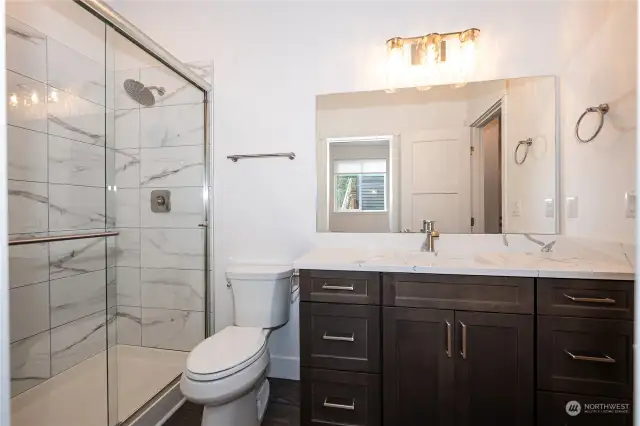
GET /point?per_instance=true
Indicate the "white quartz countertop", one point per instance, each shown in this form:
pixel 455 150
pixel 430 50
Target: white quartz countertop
pixel 607 261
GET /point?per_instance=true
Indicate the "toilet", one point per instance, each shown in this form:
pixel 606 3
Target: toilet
pixel 227 372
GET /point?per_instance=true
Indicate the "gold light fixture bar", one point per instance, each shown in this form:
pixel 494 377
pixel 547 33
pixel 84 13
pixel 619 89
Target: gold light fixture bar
pixel 421 42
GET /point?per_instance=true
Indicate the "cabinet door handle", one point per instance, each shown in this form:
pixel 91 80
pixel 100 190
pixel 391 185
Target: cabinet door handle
pixel 351 338
pixel 605 300
pixel 605 358
pixel 463 352
pixel 350 407
pixel 449 339
pixel 326 286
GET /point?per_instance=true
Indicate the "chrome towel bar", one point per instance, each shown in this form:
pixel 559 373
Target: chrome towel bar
pixel 235 158
pixel 40 240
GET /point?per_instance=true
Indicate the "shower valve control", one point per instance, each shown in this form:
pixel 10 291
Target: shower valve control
pixel 160 201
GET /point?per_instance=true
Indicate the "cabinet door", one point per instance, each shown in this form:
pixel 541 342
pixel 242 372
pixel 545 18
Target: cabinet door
pixel 418 366
pixel 494 369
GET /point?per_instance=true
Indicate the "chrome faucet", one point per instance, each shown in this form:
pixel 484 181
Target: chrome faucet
pixel 429 242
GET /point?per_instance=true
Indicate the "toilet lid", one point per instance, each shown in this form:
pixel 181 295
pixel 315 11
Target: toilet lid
pixel 226 352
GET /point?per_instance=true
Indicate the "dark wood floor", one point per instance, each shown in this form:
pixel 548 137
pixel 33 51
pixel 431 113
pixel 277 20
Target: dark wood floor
pixel 283 409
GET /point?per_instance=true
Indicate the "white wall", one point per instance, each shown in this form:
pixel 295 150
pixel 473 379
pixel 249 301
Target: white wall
pixel 272 58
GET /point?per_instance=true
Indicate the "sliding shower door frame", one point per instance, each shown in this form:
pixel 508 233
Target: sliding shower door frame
pixel 144 42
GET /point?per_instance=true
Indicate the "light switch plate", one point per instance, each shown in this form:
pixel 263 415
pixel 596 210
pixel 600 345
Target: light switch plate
pixel 549 208
pixel 517 209
pixel 630 204
pixel 572 207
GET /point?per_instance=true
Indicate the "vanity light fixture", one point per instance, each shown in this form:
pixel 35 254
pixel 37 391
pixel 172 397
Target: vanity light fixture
pixel 452 54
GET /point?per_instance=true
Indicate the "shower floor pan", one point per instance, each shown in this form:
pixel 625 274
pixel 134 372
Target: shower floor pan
pixel 78 396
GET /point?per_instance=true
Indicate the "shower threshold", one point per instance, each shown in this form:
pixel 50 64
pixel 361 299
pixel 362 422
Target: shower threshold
pixel 79 395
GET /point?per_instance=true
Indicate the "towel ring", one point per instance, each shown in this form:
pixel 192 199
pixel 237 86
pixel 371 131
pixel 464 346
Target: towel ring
pixel 603 109
pixel 527 144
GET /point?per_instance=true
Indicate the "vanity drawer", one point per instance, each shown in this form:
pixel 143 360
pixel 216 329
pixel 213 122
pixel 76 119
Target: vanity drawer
pixel 340 337
pixel 585 298
pixel 587 356
pixel 359 288
pixel 339 398
pixel 461 292
pixel 552 411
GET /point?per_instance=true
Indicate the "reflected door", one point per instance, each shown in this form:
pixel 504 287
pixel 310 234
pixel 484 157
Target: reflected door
pixel 435 180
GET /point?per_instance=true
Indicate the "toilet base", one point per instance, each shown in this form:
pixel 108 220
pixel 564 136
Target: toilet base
pixel 242 411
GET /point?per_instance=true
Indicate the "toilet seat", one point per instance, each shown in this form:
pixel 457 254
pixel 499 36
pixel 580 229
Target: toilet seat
pixel 225 353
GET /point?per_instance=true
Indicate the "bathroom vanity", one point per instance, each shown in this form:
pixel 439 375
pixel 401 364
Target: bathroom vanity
pixel 513 348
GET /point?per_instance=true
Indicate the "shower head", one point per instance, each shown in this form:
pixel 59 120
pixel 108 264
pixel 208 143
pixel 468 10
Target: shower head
pixel 141 93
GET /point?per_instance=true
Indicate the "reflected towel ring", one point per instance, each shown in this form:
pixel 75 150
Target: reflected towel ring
pixel 603 109
pixel 527 143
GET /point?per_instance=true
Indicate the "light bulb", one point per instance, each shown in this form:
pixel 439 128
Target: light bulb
pixel 395 63
pixel 13 100
pixel 34 98
pixel 467 55
pixel 53 96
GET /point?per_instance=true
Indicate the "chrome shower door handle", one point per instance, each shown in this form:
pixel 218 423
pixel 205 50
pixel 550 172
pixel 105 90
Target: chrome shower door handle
pixel 463 351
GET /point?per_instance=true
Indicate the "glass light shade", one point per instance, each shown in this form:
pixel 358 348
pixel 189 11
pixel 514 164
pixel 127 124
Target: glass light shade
pixel 13 100
pixel 395 63
pixel 467 55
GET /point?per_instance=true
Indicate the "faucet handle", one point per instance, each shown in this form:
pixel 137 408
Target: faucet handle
pixel 428 225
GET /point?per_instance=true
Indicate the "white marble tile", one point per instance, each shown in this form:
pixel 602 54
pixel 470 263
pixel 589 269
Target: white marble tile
pixel 127 129
pixel 73 72
pixel 112 287
pixel 68 258
pixel 77 207
pixel 77 296
pixel 204 69
pixel 122 100
pixel 28 264
pixel 26 106
pixel 177 89
pixel 128 286
pixel 172 329
pixel 26 50
pixel 187 209
pixel 27 154
pixel 171 167
pixel 29 310
pixel 76 163
pixel 129 325
pixel 77 341
pixel 172 289
pixel 176 125
pixel 127 168
pixel 127 207
pixel 28 203
pixel 172 248
pixel 75 118
pixel 128 247
pixel 30 363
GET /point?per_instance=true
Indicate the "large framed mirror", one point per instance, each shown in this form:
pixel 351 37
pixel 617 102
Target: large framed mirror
pixel 481 158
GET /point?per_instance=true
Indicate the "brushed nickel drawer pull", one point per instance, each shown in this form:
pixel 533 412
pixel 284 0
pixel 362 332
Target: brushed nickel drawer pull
pixel 449 339
pixel 463 352
pixel 326 286
pixel 606 358
pixel 352 338
pixel 351 407
pixel 606 300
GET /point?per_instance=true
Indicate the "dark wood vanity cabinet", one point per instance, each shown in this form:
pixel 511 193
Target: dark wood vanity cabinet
pixel 413 349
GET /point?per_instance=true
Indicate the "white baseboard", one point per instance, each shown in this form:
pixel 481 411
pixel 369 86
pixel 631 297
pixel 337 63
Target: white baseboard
pixel 284 367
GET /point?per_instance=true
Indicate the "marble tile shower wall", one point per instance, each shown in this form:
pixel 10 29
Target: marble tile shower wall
pixel 62 295
pixel 160 261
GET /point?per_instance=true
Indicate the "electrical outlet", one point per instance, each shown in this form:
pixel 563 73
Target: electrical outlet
pixel 630 204
pixel 572 207
pixel 549 208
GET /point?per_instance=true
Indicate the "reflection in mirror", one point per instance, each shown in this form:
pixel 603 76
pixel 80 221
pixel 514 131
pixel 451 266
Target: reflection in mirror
pixel 476 159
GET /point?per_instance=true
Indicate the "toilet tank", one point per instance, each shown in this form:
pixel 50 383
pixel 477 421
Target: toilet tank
pixel 261 294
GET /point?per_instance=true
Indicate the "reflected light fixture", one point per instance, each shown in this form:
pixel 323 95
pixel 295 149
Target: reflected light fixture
pixel 431 58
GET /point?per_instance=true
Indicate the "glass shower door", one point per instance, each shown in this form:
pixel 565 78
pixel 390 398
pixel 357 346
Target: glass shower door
pixel 62 288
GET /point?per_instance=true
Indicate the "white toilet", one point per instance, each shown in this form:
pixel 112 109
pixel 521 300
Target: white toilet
pixel 227 373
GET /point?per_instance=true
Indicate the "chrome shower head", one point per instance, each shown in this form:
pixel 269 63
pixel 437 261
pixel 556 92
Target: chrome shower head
pixel 141 93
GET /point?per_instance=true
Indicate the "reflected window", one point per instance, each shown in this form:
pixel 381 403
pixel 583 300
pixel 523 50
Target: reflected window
pixel 360 185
